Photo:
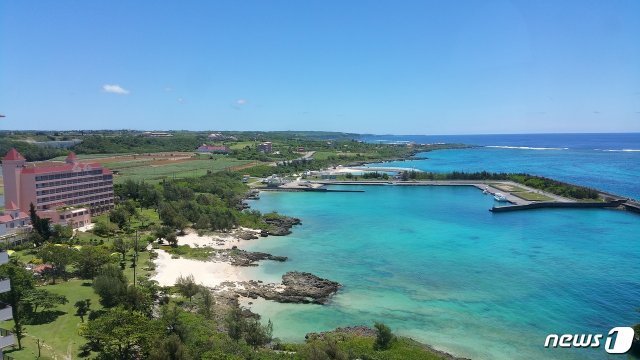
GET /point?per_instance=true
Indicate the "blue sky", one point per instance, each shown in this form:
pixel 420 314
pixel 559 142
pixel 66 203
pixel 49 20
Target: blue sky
pixel 403 67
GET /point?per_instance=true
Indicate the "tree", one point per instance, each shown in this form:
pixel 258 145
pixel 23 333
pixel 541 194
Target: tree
pixel 110 285
pixel 82 308
pixel 41 226
pixel 235 323
pixel 21 283
pixel 41 298
pixel 119 216
pixel 169 348
pixel 121 246
pixel 187 286
pixel 61 232
pixel 90 260
pixel 104 229
pixel 138 300
pixel 35 238
pixel 59 257
pixel 207 301
pixel 256 334
pixel 172 239
pixel 384 337
pixel 121 334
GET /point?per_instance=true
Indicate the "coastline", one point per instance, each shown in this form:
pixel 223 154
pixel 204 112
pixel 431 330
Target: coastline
pixel 230 283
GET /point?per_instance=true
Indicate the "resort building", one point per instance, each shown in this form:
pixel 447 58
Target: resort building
pixel 6 312
pixel 265 147
pixel 155 134
pixel 50 185
pixel 210 149
pixel 67 216
pixel 14 224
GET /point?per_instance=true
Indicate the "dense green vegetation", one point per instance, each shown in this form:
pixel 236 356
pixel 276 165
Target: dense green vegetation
pixel 536 182
pixel 31 152
pixel 100 144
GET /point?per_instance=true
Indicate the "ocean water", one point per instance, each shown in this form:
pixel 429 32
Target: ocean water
pixel 434 264
pixel 608 162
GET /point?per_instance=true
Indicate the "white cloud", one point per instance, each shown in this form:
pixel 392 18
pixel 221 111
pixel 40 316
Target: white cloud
pixel 115 89
pixel 241 102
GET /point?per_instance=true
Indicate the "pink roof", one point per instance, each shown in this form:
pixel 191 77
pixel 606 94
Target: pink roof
pixel 60 168
pixel 13 154
pixel 12 206
pixel 8 218
pixel 71 157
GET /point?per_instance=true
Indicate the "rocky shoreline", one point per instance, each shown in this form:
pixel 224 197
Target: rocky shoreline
pixel 296 287
pixel 239 257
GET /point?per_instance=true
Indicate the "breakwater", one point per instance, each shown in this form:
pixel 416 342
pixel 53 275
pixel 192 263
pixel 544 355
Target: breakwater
pixel 557 205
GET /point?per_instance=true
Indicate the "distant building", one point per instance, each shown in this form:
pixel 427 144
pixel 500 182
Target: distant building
pixel 326 175
pixel 219 136
pixel 156 134
pixel 212 149
pixel 47 185
pixel 300 149
pixel 265 147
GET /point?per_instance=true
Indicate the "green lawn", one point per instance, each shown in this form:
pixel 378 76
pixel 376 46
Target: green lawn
pixel 241 145
pixel 60 337
pixel 192 168
pixel 531 196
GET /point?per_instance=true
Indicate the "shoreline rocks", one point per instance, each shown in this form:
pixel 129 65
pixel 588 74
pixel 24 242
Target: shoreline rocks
pixel 239 257
pixel 296 287
pixel 281 225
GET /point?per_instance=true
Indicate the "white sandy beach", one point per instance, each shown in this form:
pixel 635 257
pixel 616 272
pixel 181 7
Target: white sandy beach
pixel 207 273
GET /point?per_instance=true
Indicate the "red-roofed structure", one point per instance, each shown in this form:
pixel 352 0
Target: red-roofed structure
pixel 46 185
pixel 71 158
pixel 13 154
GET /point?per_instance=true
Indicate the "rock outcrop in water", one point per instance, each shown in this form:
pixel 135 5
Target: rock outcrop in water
pixel 296 287
pixel 281 225
pixel 239 257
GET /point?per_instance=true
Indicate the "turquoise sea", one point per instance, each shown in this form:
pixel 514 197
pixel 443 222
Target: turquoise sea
pixel 434 264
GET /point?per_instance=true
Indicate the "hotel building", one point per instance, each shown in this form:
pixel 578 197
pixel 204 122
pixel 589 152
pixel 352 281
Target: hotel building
pixel 52 185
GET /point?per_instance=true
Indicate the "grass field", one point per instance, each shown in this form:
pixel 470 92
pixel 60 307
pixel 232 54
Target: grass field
pixel 59 338
pixel 143 170
pixel 531 196
pixel 241 145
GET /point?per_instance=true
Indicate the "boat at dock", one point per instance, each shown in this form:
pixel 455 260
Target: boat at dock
pixel 500 197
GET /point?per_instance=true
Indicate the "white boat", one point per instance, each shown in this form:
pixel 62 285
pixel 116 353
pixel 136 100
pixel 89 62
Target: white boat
pixel 500 197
